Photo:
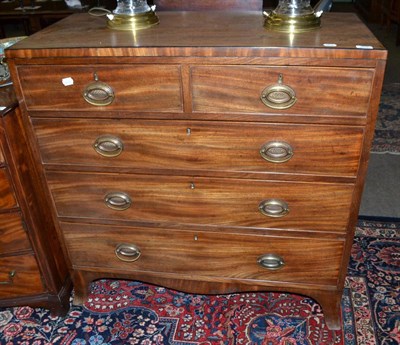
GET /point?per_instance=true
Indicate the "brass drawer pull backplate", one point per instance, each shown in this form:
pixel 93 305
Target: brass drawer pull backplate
pixel 271 261
pixel 127 252
pixel 108 146
pixel 276 151
pixel 274 208
pixel 98 93
pixel 278 96
pixel 119 201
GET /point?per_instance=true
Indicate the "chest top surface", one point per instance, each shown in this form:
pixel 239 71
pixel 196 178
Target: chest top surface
pixel 208 34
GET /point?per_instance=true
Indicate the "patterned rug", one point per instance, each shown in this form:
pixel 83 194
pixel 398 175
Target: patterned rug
pixel 122 312
pixel 387 130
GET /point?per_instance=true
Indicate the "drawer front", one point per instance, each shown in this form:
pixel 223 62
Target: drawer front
pixel 197 145
pixel 203 254
pixel 207 201
pixel 141 88
pixel 7 197
pixel 318 91
pixel 19 276
pixel 13 238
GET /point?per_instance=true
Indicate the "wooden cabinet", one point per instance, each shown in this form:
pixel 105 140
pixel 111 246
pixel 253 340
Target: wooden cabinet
pixel 371 10
pixel 205 154
pixel 31 270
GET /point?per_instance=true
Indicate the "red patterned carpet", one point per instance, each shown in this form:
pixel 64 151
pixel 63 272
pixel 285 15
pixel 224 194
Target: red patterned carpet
pixel 122 312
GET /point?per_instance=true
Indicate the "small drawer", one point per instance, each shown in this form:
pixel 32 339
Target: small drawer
pixel 133 88
pixel 202 201
pixel 230 147
pixel 204 254
pixel 19 276
pixel 13 238
pixel 285 90
pixel 7 196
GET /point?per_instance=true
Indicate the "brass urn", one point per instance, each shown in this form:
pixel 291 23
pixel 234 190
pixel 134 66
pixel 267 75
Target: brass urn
pixel 132 15
pixel 293 16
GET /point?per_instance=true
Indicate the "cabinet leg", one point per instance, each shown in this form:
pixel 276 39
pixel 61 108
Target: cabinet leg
pixel 330 303
pixel 81 288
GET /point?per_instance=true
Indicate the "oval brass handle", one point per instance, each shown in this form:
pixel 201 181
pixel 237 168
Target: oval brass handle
pixel 108 146
pixel 278 96
pixel 10 280
pixel 271 261
pixel 119 201
pixel 127 252
pixel 98 93
pixel 276 151
pixel 274 208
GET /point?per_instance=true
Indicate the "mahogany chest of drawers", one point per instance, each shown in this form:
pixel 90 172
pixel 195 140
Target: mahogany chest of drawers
pixel 205 154
pixel 31 270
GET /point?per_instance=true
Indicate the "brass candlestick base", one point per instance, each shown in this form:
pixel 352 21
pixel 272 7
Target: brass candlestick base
pixel 137 21
pixel 294 24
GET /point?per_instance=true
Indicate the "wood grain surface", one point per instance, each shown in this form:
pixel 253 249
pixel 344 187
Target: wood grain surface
pixel 199 146
pixel 13 237
pixel 136 88
pixel 207 34
pixel 202 201
pixel 204 254
pixel 27 280
pixel 7 199
pixel 319 91
pixel 29 245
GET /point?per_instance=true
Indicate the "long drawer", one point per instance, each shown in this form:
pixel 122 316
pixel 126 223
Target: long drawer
pixel 201 145
pixel 7 196
pixel 204 255
pixel 206 201
pixel 19 276
pixel 13 237
pixel 133 87
pixel 316 91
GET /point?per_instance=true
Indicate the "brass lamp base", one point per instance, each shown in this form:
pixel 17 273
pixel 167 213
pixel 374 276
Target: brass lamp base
pixel 132 22
pixel 294 24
